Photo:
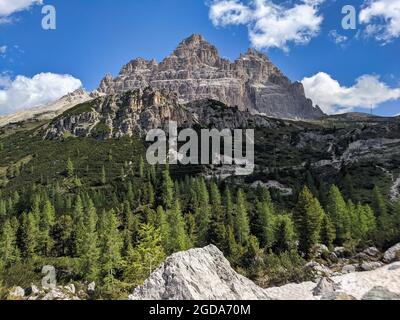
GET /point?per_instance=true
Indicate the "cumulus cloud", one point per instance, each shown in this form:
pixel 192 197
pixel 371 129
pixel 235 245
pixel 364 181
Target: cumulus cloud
pixel 337 38
pixel 23 92
pixel 9 7
pixel 270 25
pixel 332 97
pixel 382 18
pixel 3 50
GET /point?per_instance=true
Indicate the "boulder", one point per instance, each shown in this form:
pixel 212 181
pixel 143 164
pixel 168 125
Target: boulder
pixel 350 268
pixel 338 296
pixel 325 286
pixel 196 274
pixel 91 288
pixel 370 266
pixel 393 254
pixel 372 252
pixel 17 293
pixel 394 267
pixel 381 293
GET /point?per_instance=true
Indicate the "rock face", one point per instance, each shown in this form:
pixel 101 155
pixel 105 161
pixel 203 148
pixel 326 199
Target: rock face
pixel 204 274
pixel 198 274
pixel 393 254
pixel 137 111
pixel 196 71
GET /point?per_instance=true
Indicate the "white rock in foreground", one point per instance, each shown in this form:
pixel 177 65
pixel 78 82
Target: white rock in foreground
pixel 204 274
pixel 198 274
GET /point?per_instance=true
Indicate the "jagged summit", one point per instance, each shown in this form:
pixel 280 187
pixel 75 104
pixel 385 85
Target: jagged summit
pixel 196 71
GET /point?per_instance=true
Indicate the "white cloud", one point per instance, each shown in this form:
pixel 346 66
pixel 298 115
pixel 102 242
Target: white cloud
pixel 382 18
pixel 3 50
pixel 23 92
pixel 270 25
pixel 337 38
pixel 9 7
pixel 332 97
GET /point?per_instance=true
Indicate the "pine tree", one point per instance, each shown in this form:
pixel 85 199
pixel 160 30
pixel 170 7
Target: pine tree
pixel 217 231
pixel 382 216
pixel 328 232
pixel 284 234
pixel 46 224
pixel 29 235
pixel 63 236
pixel 141 167
pixel 338 212
pixel 308 216
pixel 241 220
pixel 110 244
pixel 264 223
pixel 229 209
pixel 167 190
pixel 202 213
pixel 9 252
pixel 89 251
pixel 177 236
pixel 103 178
pixel 70 168
pixel 146 256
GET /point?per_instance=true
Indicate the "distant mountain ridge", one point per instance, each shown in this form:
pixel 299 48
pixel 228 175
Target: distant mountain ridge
pixel 196 71
pixel 47 111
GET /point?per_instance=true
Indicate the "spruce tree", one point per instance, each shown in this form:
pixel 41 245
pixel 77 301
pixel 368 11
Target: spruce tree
pixel 307 217
pixel 177 236
pixel 264 223
pixel 167 190
pixel 328 232
pixel 217 231
pixel 110 244
pixel 242 227
pixel 284 234
pixel 89 250
pixel 202 213
pixel 9 252
pixel 46 224
pixel 70 168
pixel 338 212
pixel 146 256
pixel 29 235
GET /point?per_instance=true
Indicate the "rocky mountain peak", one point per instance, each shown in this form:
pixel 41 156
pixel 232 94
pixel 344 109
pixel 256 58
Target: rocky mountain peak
pixel 195 71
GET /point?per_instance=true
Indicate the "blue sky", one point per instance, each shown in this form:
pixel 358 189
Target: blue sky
pixel 94 37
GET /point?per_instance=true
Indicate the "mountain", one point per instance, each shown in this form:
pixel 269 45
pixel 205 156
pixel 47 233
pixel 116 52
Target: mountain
pixel 48 111
pixel 137 111
pixel 204 274
pixel 196 71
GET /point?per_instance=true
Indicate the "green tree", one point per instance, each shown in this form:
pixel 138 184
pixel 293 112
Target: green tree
pixel 29 235
pixel 167 190
pixel 103 178
pixel 202 213
pixel 328 233
pixel 46 224
pixel 217 231
pixel 308 216
pixel 110 246
pixel 338 212
pixel 9 252
pixel 177 237
pixel 264 223
pixel 70 168
pixel 146 256
pixel 89 252
pixel 284 234
pixel 242 220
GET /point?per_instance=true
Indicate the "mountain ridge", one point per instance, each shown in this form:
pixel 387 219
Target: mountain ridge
pixel 196 71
